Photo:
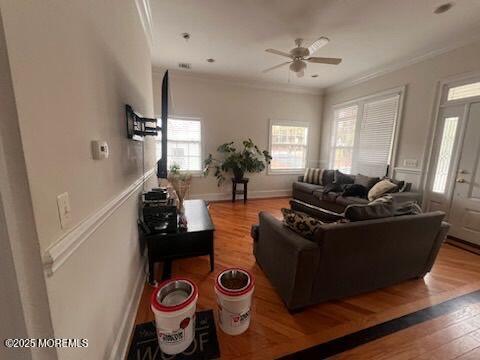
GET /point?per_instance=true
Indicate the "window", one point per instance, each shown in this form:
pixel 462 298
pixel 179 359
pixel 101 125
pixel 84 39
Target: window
pixel 344 138
pixel 445 154
pixel 363 135
pixel 288 146
pixel 184 146
pixel 464 91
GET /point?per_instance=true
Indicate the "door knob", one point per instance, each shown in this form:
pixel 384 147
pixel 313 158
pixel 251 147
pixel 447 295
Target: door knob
pixel 460 180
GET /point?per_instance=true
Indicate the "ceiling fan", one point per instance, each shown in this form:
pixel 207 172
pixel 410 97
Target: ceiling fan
pixel 301 55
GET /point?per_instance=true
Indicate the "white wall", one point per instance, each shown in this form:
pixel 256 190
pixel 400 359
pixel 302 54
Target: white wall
pixel 232 112
pixel 422 81
pixel 75 64
pixel 24 310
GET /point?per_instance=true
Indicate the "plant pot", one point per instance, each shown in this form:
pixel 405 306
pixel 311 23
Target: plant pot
pixel 238 173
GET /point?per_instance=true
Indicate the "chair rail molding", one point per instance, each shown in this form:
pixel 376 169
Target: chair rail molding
pixel 57 253
pixel 413 175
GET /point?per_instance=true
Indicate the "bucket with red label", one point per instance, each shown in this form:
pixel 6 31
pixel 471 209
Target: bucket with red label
pixel 174 303
pixel 234 289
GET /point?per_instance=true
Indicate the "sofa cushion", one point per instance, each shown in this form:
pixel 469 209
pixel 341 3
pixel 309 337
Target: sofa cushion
pixel 381 188
pixel 341 178
pixel 355 190
pixel 366 181
pixel 349 200
pixel 306 188
pixel 330 196
pixel 303 224
pixel 313 176
pixel 375 210
pixel 328 177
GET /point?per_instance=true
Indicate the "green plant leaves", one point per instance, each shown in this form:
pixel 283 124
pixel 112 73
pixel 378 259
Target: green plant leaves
pixel 249 160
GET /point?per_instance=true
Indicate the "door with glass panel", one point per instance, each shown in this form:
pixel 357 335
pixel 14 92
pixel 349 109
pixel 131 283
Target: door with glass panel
pixel 444 154
pixel 465 207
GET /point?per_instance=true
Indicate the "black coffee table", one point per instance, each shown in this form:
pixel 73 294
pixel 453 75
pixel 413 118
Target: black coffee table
pixel 196 240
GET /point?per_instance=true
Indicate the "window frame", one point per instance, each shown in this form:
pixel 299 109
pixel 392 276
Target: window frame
pixel 453 84
pixel 195 173
pixel 360 103
pixel 293 123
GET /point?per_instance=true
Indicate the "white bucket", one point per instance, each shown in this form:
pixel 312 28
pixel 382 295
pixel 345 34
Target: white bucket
pixel 174 303
pixel 234 289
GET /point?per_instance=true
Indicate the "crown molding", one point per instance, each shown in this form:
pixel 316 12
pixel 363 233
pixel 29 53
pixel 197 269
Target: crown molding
pixel 399 65
pixel 145 14
pixel 256 84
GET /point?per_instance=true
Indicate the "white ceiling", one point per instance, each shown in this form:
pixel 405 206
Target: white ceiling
pixel 367 34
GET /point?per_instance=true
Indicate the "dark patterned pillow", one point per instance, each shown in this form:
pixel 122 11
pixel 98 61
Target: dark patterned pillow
pixel 300 222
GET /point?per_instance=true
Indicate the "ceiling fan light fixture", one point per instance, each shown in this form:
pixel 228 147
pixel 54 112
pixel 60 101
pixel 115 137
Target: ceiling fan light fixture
pixel 298 65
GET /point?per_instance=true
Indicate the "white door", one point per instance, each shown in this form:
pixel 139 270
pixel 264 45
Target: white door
pixel 446 148
pixel 465 209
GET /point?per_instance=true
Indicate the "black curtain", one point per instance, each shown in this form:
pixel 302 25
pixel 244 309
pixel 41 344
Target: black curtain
pixel 162 163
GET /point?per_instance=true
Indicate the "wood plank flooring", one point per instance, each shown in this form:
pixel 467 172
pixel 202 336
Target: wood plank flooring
pixel 275 332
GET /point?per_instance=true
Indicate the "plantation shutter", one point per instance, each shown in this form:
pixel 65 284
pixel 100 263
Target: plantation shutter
pixel 373 152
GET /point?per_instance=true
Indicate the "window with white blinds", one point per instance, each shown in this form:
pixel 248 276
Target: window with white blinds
pixel 344 138
pixel 363 135
pixel 184 144
pixel 288 146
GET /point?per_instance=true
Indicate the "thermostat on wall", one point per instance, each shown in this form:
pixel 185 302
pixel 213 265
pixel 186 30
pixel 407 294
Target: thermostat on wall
pixel 99 150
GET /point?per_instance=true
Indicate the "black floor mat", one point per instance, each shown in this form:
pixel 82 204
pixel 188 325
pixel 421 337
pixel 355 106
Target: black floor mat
pixel 144 344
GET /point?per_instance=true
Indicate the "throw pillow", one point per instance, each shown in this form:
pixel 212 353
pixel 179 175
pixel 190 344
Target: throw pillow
pixel 366 181
pixel 341 178
pixel 313 176
pixel 400 184
pixel 374 210
pixel 380 188
pixel 328 177
pixel 300 222
pixel 355 190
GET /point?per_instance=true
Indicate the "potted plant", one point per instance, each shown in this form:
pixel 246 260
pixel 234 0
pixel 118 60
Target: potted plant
pixel 180 182
pixel 250 159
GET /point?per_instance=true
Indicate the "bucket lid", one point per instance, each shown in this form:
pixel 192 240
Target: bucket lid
pixel 174 294
pixel 234 282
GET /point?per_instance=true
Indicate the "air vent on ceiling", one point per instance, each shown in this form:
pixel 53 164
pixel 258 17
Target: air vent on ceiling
pixel 186 66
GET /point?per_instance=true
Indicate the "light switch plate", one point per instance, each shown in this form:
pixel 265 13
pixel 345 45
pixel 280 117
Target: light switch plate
pixel 411 163
pixel 64 209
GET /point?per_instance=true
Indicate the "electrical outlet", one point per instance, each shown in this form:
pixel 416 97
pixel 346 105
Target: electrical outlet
pixel 64 210
pixel 411 163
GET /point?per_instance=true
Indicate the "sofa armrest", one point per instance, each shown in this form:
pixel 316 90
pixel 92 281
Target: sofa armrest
pixel 289 260
pixel 400 197
pixel 439 240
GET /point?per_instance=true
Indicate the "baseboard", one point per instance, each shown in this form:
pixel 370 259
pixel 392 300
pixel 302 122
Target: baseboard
pixel 256 194
pixel 122 340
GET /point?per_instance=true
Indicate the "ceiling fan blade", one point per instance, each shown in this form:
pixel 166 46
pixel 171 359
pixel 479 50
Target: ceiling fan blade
pixel 322 60
pixel 276 66
pixel 317 44
pixel 300 73
pixel 278 52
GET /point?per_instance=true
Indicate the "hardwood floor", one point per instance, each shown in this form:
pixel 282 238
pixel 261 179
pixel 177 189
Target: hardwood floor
pixel 275 332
